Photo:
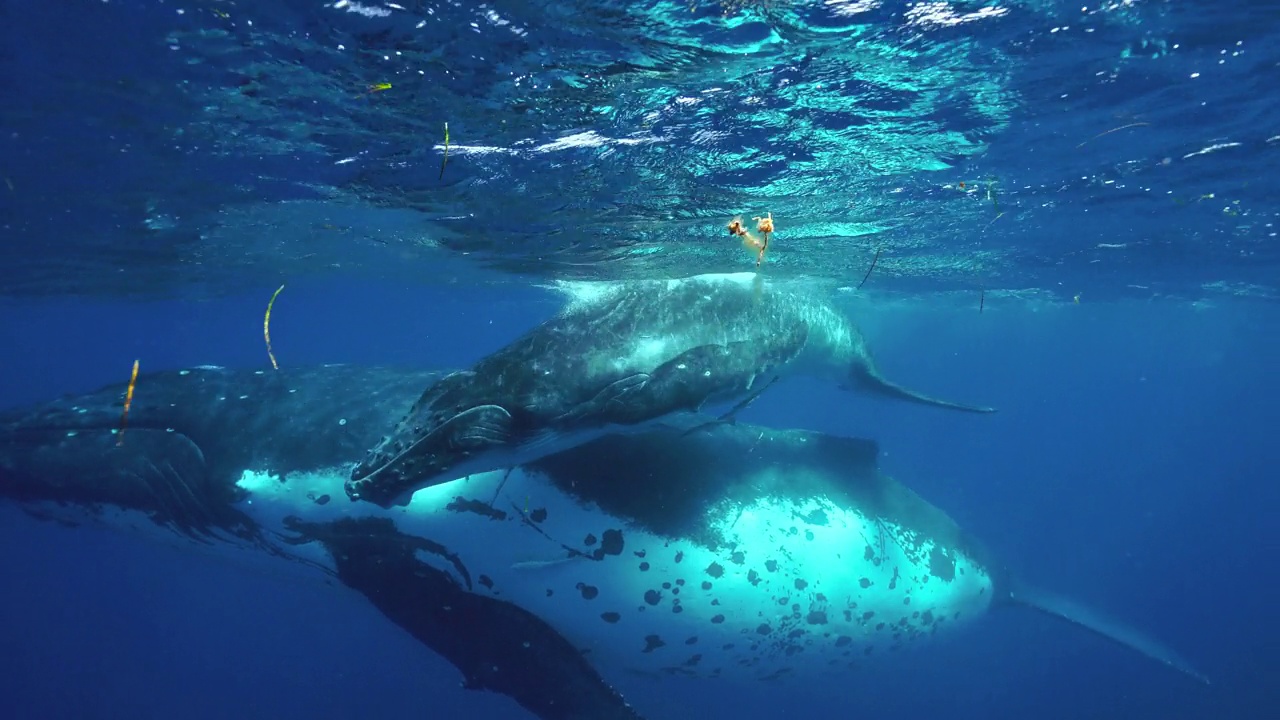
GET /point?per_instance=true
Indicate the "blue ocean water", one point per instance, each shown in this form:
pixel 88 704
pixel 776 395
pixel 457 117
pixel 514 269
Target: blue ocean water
pixel 1106 276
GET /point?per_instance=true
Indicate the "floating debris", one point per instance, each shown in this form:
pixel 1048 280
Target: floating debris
pixel 982 300
pixel 764 225
pixel 128 400
pixel 1108 132
pixel 445 159
pixel 874 260
pixel 374 88
pixel 266 327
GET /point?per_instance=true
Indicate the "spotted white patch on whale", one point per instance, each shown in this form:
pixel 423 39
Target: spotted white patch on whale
pixel 793 585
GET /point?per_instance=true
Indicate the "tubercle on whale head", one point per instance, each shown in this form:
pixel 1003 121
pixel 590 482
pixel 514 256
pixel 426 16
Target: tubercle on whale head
pixel 448 425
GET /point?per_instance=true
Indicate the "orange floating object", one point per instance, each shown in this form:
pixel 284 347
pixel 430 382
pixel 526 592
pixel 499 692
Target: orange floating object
pixel 749 241
pixel 764 225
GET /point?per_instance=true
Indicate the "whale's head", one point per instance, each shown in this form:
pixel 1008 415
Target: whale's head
pixel 73 464
pixel 191 436
pixel 450 431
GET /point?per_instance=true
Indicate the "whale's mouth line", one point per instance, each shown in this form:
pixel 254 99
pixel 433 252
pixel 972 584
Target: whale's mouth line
pixel 373 475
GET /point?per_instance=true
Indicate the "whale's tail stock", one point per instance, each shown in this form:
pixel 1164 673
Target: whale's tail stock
pixel 1062 608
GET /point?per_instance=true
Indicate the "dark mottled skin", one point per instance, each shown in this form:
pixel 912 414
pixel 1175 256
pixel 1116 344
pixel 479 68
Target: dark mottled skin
pixel 191 436
pixel 343 408
pixel 638 352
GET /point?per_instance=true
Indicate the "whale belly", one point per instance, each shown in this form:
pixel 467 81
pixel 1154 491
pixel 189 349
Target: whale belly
pixel 792 587
pixel 796 587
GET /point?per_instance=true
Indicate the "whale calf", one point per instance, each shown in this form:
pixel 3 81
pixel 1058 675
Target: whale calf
pixel 619 356
pixel 729 552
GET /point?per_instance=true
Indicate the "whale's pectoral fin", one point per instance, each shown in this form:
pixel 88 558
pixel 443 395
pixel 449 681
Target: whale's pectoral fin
pixel 610 401
pixel 688 380
pixel 497 645
pixel 1113 630
pixel 730 417
pixel 868 378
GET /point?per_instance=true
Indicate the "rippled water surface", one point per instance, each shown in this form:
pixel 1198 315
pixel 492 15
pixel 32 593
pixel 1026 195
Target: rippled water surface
pixel 1039 148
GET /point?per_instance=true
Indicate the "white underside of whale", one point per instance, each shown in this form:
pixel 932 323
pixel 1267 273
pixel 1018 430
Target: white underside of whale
pixel 799 588
pixel 796 590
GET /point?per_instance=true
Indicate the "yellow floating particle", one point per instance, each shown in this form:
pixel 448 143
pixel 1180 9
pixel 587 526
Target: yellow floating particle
pixel 266 327
pixel 128 400
pixel 445 159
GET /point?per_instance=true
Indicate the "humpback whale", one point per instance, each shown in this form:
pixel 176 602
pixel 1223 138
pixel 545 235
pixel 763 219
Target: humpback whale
pixel 618 357
pixel 728 552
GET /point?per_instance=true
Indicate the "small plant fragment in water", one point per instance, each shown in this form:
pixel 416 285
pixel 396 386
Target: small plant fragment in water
pixel 266 327
pixel 445 159
pixel 764 225
pixel 874 260
pixel 128 400
pixel 374 88
pixel 1108 132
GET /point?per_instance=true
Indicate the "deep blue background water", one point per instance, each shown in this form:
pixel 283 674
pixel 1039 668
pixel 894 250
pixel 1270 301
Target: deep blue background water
pixel 153 149
pixel 1131 466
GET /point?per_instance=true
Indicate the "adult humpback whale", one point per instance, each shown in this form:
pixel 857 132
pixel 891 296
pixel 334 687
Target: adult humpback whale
pixel 617 357
pixel 730 552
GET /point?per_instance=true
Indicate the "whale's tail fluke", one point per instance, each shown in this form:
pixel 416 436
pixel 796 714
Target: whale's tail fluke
pixel 872 380
pixel 1063 608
